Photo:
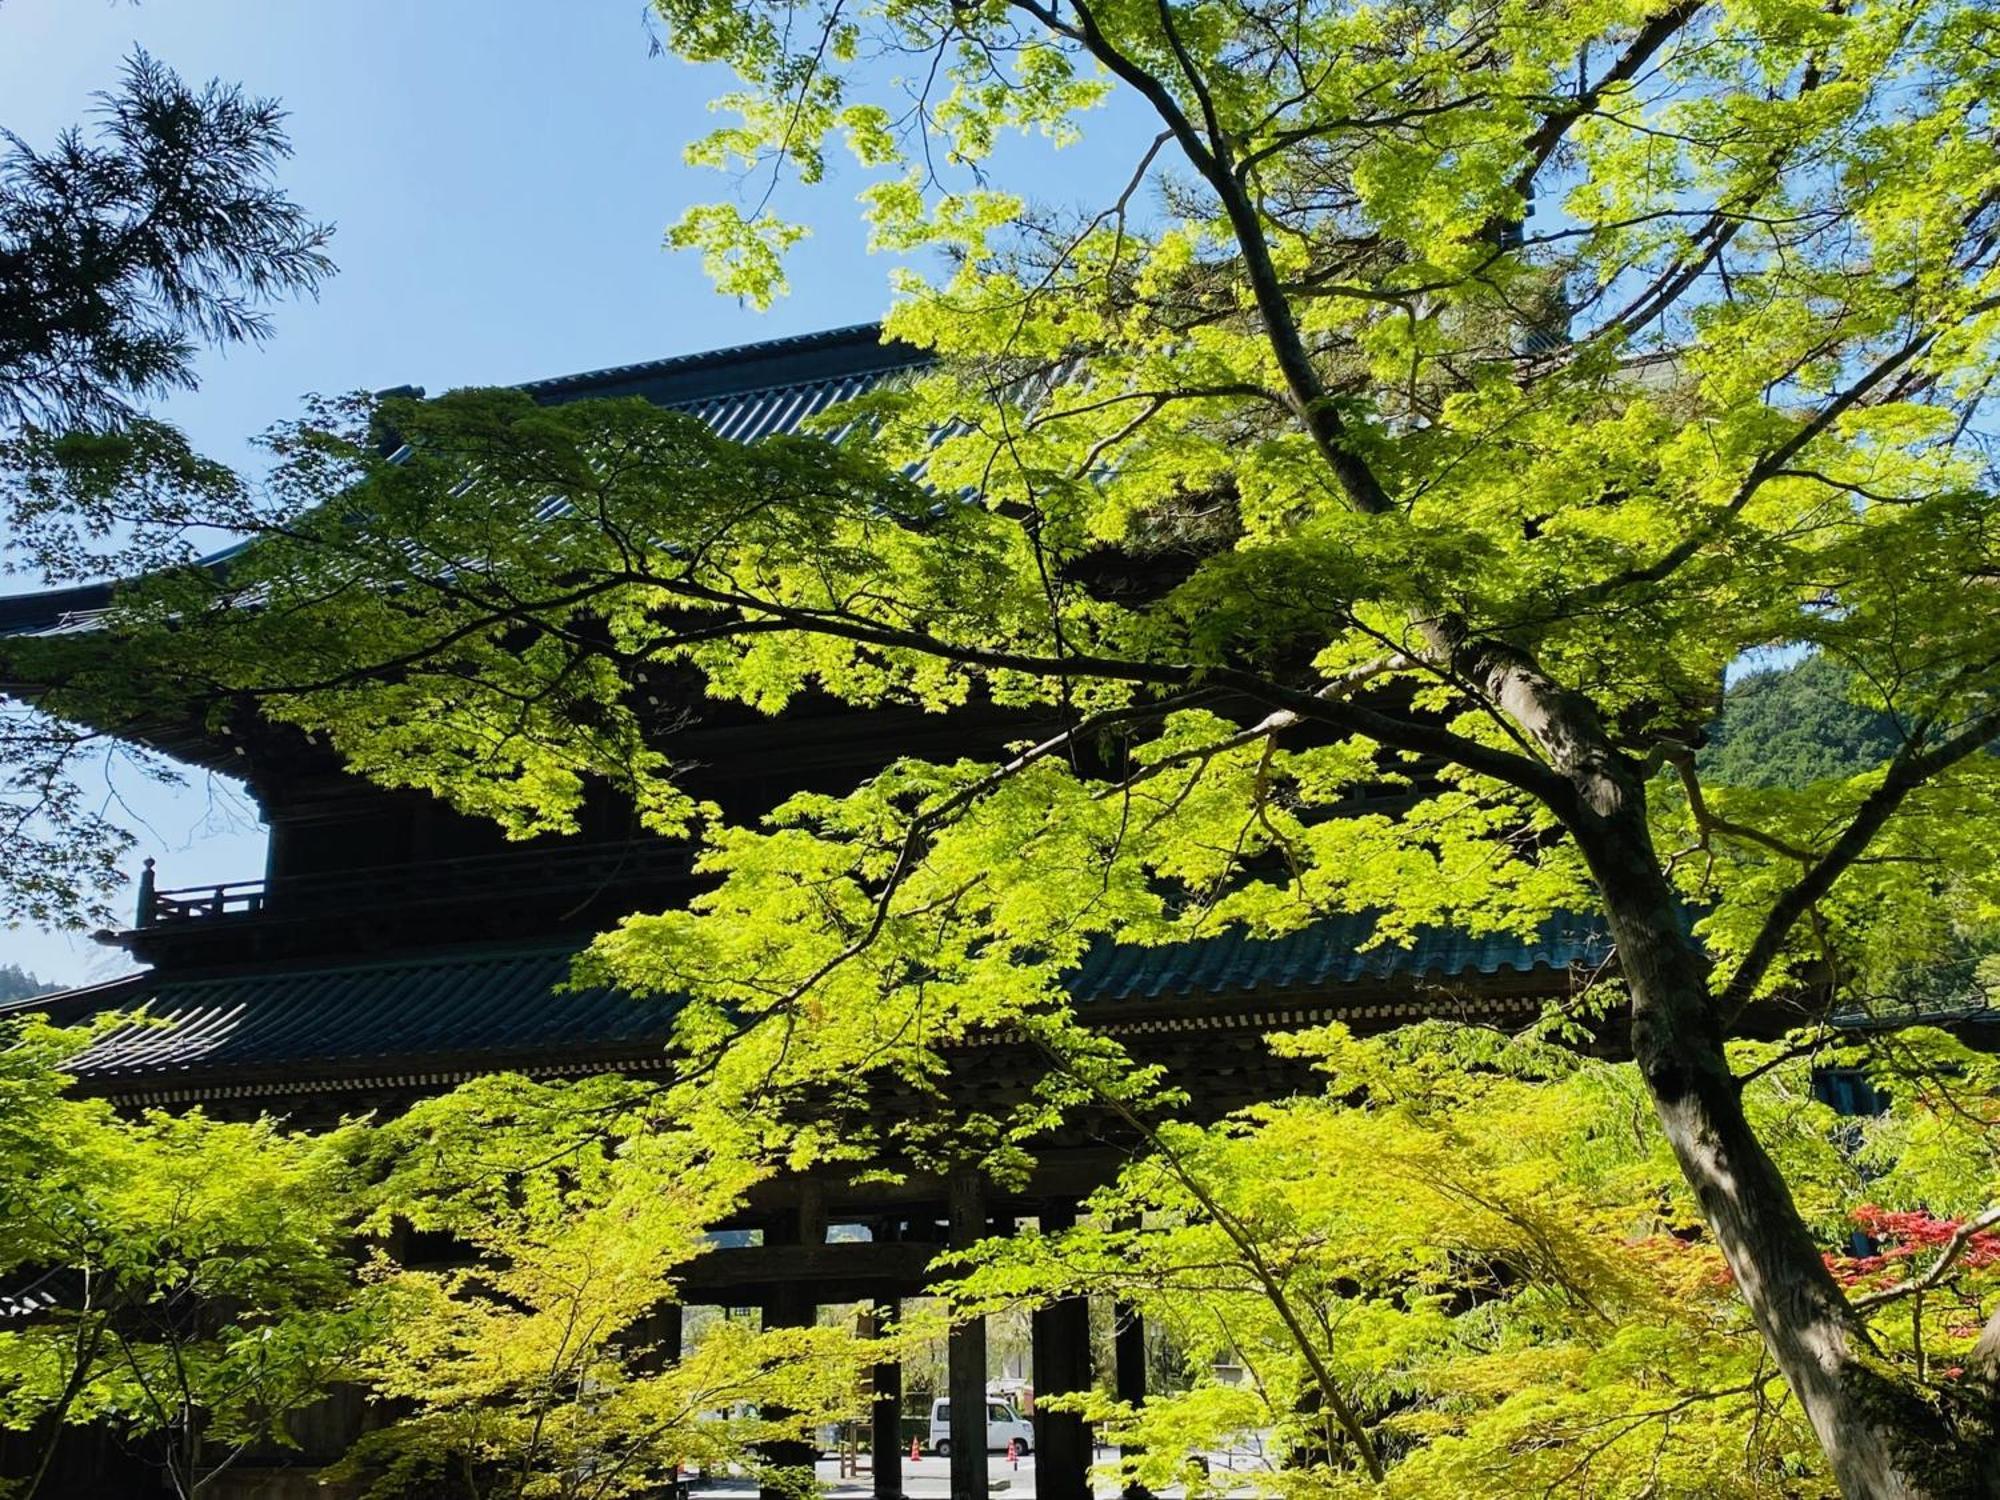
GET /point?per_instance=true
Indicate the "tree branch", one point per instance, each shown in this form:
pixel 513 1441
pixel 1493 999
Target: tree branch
pixel 1284 718
pixel 1705 821
pixel 1908 771
pixel 1655 34
pixel 1953 1249
pixel 1310 398
pixel 931 817
pixel 1768 467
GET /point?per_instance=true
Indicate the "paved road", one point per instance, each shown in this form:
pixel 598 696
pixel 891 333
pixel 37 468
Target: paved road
pixel 929 1478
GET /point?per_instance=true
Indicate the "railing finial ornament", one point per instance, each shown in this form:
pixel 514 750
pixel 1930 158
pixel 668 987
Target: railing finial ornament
pixel 146 912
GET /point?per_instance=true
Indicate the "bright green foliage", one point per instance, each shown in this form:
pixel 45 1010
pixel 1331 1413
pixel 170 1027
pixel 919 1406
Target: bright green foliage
pixel 1780 459
pixel 1486 1245
pixel 198 1272
pixel 203 1280
pixel 1309 462
pixel 1799 728
pixel 528 1367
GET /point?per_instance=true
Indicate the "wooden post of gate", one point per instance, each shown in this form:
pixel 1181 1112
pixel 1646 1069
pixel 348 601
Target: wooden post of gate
pixel 966 1352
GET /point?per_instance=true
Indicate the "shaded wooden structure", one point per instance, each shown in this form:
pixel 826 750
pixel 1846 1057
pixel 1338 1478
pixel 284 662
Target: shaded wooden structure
pixel 392 948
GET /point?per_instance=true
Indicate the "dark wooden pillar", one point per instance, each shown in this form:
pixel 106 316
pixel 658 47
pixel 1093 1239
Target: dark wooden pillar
pixel 664 1330
pixel 809 1222
pixel 966 1353
pixel 886 1425
pixel 790 1305
pixel 659 1335
pixel 1061 1364
pixel 1128 1347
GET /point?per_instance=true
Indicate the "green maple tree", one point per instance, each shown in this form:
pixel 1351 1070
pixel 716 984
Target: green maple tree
pixel 185 1282
pixel 1447 398
pixel 524 1366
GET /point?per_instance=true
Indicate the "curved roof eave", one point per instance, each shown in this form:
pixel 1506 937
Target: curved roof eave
pixel 744 391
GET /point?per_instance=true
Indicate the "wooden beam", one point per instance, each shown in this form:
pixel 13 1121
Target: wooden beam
pixel 1059 1171
pixel 1128 1346
pixel 896 1268
pixel 787 1305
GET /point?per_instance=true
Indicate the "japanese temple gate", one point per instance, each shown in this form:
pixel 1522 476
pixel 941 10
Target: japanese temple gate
pixel 392 948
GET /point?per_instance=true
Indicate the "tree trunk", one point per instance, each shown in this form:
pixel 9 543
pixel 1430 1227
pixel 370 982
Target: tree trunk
pixel 1883 1439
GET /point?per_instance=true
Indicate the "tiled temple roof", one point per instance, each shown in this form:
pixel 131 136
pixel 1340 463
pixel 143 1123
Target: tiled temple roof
pixel 438 1017
pixel 490 1003
pixel 1329 954
pixel 746 392
pixel 752 390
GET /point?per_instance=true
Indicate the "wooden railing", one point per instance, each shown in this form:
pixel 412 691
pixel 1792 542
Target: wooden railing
pixel 233 898
pixel 576 870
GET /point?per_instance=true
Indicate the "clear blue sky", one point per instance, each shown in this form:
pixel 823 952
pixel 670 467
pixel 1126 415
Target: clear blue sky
pixel 500 174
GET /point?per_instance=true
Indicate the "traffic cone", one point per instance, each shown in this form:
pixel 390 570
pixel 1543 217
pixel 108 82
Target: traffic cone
pixel 1014 1452
pixel 916 1450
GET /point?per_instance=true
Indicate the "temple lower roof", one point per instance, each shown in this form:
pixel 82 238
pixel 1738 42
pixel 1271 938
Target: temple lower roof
pixel 1334 953
pixel 436 1019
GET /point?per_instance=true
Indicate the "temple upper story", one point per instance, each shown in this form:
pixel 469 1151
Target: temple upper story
pixel 389 937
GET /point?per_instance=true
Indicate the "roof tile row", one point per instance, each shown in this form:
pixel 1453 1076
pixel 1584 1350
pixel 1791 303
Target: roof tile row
pixel 504 1006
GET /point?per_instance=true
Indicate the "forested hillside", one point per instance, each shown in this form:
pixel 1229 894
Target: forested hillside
pixel 1792 726
pixel 17 983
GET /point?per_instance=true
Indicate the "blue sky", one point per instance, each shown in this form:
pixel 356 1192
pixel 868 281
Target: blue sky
pixel 500 175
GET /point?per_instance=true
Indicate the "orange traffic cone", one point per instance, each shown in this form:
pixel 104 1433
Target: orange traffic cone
pixel 916 1450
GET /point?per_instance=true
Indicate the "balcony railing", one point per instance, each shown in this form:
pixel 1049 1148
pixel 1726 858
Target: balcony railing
pixel 236 898
pixel 577 870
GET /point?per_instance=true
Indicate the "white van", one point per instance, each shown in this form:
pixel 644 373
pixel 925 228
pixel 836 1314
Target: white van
pixel 1003 1424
